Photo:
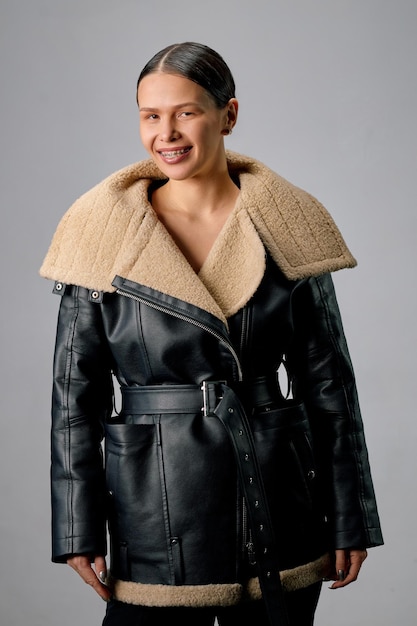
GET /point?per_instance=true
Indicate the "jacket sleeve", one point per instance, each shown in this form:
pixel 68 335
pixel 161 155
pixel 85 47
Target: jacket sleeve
pixel 326 382
pixel 81 400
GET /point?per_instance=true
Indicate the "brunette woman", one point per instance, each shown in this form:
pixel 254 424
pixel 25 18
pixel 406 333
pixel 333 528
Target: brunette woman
pixel 236 475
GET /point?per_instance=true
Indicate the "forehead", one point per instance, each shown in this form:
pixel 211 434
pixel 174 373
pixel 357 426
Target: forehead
pixel 168 90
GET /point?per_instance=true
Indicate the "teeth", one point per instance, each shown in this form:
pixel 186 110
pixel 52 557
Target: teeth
pixel 174 153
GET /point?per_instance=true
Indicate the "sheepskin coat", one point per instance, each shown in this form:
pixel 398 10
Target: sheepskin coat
pixel 134 310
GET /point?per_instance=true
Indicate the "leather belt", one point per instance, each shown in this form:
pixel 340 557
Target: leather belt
pixel 216 398
pixel 151 399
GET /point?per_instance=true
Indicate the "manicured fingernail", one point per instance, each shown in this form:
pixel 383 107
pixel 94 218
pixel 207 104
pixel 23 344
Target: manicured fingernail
pixel 102 576
pixel 340 574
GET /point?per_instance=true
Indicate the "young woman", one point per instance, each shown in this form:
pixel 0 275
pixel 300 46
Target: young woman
pixel 236 475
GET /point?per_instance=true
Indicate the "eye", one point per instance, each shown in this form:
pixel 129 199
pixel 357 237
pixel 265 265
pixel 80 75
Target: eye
pixel 149 116
pixel 185 114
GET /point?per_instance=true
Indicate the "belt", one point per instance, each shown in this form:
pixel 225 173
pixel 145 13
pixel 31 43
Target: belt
pixel 152 399
pixel 216 398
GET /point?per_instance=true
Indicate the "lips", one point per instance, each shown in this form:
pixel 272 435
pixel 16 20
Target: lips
pixel 174 155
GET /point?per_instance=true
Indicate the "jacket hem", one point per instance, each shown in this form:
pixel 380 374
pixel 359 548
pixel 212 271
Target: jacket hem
pixel 225 594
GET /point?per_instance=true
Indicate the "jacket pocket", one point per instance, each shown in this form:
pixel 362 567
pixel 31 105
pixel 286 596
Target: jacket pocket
pixel 176 554
pixel 285 451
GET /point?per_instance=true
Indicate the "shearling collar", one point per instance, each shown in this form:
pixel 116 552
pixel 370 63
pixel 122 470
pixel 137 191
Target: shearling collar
pixel 113 230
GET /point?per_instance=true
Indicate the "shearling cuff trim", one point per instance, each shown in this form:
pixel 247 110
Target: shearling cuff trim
pixel 215 595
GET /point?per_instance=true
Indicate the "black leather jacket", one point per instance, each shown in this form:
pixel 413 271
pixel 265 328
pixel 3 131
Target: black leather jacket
pixel 169 488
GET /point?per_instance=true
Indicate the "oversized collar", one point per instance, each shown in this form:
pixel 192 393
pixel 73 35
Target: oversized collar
pixel 113 230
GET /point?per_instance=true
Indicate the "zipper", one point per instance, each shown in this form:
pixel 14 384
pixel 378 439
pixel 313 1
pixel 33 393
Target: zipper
pixel 244 327
pixel 191 320
pixel 248 545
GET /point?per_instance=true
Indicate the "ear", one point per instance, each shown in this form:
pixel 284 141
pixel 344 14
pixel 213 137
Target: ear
pixel 232 108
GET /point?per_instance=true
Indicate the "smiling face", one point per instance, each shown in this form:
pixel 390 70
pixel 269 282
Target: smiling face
pixel 181 127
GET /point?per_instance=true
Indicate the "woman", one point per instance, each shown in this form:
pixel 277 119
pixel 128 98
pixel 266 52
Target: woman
pixel 196 279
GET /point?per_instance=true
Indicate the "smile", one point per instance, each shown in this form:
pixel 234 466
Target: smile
pixel 173 154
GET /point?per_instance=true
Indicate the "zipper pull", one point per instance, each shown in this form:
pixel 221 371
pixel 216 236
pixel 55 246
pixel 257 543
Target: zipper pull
pixel 251 553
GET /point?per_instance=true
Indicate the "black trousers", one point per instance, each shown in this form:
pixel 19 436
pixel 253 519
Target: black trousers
pixel 301 606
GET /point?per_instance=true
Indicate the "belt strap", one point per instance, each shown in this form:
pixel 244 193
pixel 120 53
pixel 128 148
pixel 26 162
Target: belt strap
pixel 151 399
pixel 219 400
pixel 154 399
pixel 232 415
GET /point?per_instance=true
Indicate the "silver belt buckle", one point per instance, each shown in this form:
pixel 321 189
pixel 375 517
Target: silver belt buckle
pixel 206 391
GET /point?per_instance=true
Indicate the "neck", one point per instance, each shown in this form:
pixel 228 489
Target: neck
pixel 197 195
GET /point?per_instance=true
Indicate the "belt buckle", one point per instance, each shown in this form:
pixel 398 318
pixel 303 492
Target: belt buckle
pixel 207 387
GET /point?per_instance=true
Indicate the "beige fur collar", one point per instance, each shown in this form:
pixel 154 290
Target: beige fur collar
pixel 112 230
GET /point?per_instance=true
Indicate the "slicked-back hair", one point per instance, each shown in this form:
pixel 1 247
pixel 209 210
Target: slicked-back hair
pixel 198 63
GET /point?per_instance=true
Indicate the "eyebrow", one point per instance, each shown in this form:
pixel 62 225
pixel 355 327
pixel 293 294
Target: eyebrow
pixel 176 106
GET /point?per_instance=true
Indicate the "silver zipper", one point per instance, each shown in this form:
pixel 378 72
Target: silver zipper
pixel 186 318
pixel 248 544
pixel 244 525
pixel 243 331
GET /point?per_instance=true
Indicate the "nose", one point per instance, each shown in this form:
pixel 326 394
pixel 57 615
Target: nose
pixel 168 131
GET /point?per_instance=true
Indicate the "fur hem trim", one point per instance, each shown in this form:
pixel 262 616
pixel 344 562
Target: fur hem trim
pixel 176 595
pixel 113 230
pixel 215 594
pixel 296 578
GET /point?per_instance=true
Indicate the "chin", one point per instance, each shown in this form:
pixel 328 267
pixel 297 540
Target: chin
pixel 176 172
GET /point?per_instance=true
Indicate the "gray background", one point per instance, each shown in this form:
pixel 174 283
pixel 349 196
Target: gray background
pixel 327 91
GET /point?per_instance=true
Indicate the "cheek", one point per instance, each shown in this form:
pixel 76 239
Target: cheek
pixel 145 135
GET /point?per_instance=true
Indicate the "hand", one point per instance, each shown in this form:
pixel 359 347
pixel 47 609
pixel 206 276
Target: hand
pixel 347 566
pixel 82 565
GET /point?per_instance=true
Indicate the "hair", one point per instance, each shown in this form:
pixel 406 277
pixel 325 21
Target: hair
pixel 198 63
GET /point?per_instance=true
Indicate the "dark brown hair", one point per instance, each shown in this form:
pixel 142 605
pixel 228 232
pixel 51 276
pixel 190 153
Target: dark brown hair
pixel 198 63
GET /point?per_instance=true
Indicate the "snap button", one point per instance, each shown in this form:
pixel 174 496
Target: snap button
pixel 59 288
pixel 95 296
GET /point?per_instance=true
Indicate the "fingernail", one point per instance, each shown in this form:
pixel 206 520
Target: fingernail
pixel 102 576
pixel 340 574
